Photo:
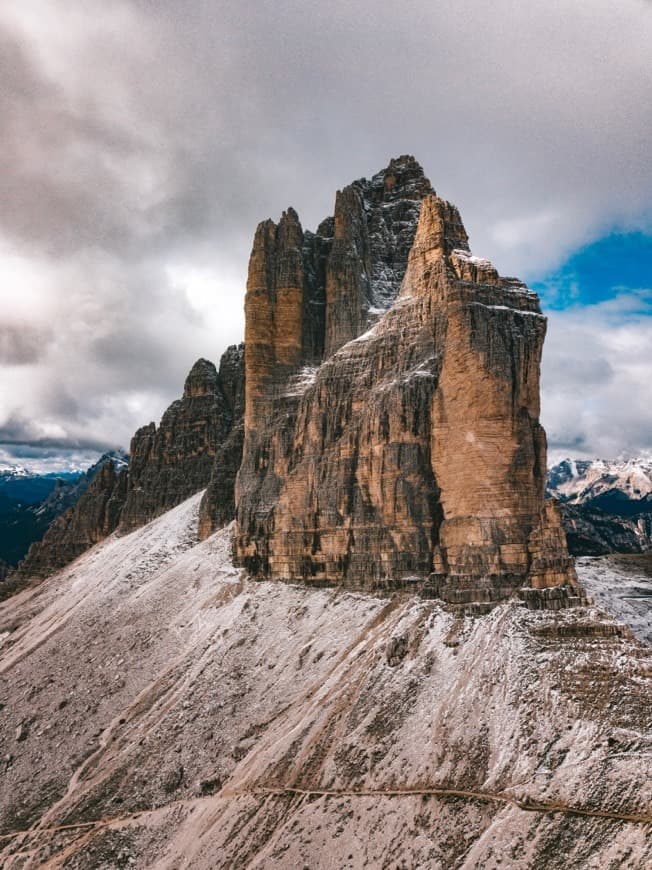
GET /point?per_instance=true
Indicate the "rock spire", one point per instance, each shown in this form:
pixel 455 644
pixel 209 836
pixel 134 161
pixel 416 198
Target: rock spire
pixel 412 451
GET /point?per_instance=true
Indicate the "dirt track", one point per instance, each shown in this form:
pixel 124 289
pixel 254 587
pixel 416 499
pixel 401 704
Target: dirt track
pixel 527 805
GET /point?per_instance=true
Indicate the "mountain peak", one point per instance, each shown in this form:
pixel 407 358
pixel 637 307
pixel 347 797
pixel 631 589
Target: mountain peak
pixel 202 380
pixel 402 178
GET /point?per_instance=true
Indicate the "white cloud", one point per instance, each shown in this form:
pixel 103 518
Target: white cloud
pixel 596 384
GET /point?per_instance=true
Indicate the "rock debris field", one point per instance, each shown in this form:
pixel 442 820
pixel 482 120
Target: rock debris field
pixel 159 710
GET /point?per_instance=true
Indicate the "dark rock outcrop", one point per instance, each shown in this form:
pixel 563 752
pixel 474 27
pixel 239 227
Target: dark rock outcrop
pixel 95 515
pixel 593 532
pixel 169 464
pixel 373 230
pixel 414 450
pixel 218 504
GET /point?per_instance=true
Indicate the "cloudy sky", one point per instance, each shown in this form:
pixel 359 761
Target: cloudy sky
pixel 142 141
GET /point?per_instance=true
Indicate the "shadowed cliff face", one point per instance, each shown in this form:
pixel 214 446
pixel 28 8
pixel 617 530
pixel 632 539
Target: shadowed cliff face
pixel 218 503
pixel 172 462
pixel 414 450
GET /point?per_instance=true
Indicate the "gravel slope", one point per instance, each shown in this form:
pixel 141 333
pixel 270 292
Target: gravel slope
pixel 159 710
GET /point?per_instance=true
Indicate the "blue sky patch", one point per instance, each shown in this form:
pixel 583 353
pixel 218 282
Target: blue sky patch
pixel 614 264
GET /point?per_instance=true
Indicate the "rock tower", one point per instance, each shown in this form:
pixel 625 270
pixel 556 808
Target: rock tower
pixel 391 427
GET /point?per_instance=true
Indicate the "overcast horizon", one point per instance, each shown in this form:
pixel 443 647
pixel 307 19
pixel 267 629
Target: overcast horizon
pixel 142 144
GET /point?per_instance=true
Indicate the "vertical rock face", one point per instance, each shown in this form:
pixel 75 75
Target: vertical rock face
pixel 169 464
pixel 414 451
pixel 93 518
pixel 310 293
pixel 373 231
pixel 218 504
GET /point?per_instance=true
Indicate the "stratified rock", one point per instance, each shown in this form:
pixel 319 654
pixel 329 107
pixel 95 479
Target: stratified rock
pixel 310 293
pixel 232 378
pixel 414 452
pixel 166 466
pixel 169 464
pixel 218 504
pixel 95 515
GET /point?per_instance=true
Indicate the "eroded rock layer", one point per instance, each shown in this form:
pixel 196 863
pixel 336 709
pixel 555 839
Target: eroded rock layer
pixel 414 451
pixel 197 445
pixel 310 293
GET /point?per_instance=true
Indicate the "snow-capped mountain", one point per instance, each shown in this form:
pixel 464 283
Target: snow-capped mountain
pixel 606 505
pixel 29 502
pixel 602 482
pixel 7 470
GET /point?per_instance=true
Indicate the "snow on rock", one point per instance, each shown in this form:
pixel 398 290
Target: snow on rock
pixel 622 585
pixel 157 696
pixel 579 481
pixel 459 254
pixel 300 382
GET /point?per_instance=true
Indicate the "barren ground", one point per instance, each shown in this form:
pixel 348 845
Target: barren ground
pixel 159 710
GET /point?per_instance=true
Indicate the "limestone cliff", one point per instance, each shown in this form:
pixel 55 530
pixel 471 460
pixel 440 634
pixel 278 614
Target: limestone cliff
pixel 413 453
pixel 93 518
pixel 172 462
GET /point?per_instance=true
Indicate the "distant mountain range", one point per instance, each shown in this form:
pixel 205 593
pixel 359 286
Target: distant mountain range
pixel 29 502
pixel 606 506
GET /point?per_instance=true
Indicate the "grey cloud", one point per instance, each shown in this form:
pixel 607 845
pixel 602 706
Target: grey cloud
pixel 52 459
pixel 16 430
pixel 22 344
pixel 21 437
pixel 235 111
pixel 142 141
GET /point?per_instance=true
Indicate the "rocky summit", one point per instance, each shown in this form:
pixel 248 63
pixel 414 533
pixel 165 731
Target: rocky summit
pixel 381 418
pixel 401 444
pixel 218 504
pixel 168 464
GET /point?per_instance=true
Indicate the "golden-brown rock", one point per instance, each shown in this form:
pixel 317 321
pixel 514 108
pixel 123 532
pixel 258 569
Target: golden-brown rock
pixel 414 453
